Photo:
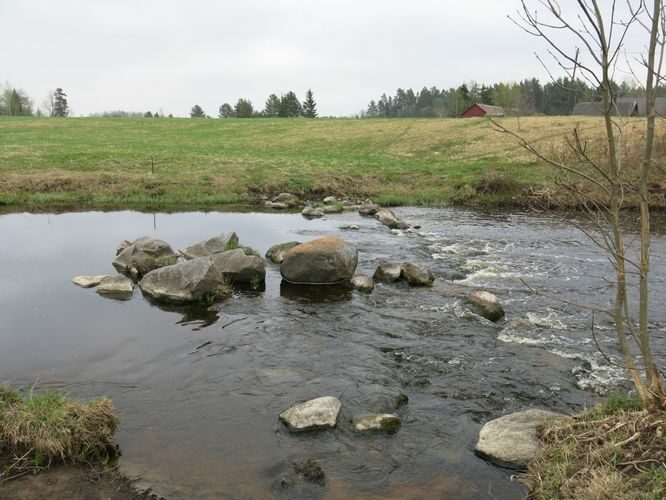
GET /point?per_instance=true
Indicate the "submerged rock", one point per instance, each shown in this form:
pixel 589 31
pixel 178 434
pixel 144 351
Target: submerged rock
pixel 189 281
pixel 238 267
pixel 276 253
pixel 363 284
pixel 324 261
pixel 312 212
pixel 511 441
pixel 142 256
pixel 115 286
pixel 216 244
pixel 416 274
pixel 320 413
pixel 380 422
pixel 486 304
pixel 388 218
pixel 88 281
pixel 387 272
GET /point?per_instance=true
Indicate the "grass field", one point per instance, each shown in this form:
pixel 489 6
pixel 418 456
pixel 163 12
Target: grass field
pixel 202 163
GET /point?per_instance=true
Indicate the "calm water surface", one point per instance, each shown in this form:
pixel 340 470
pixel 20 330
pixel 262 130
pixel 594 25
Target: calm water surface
pixel 201 422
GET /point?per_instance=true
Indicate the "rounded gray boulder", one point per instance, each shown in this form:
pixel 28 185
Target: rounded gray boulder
pixel 325 261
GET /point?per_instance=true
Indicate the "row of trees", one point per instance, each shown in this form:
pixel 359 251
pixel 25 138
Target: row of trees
pixel 527 97
pixel 286 106
pixel 16 102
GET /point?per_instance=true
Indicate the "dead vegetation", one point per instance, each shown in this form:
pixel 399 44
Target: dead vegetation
pixel 613 451
pixel 41 429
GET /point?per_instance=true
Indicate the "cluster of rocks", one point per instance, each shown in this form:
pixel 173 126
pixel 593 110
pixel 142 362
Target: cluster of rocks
pixel 328 205
pixel 323 413
pixel 199 272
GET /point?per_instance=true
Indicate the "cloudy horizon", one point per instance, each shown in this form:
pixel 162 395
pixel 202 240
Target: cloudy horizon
pixel 169 55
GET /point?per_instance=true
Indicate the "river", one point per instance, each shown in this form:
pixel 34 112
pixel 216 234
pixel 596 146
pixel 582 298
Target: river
pixel 199 389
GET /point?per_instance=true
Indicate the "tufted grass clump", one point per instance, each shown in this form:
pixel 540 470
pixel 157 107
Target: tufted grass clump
pixel 40 429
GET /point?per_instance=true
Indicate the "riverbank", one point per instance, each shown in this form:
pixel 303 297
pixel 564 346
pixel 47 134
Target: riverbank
pixel 53 446
pixel 615 450
pixel 203 164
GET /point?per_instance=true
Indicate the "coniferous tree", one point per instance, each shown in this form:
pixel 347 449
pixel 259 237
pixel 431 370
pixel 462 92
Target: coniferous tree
pixel 373 110
pixel 272 106
pixel 226 111
pixel 309 105
pixel 244 109
pixel 197 112
pixel 60 105
pixel 290 106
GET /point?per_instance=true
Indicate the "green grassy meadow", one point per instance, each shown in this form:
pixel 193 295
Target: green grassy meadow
pixel 103 162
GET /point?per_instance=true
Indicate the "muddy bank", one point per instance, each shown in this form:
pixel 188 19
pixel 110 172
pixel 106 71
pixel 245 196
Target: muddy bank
pixel 74 482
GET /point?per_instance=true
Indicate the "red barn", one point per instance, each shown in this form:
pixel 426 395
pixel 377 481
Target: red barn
pixel 480 110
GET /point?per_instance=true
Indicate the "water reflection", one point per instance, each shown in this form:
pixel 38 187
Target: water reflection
pixel 199 387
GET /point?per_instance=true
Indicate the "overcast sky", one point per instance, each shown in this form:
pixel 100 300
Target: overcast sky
pixel 139 55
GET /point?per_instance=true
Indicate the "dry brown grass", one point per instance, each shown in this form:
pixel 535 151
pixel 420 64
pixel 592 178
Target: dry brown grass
pixel 600 456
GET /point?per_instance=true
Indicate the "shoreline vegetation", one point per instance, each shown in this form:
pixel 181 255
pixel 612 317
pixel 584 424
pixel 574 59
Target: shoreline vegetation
pixel 50 442
pixel 615 450
pixel 168 164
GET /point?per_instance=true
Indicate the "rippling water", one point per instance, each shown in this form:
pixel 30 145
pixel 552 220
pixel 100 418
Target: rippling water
pixel 199 389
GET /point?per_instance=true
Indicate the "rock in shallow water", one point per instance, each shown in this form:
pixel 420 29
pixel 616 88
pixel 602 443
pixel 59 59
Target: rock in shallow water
pixel 486 304
pixel 381 422
pixel 188 281
pixel 511 441
pixel 388 218
pixel 277 252
pixel 363 284
pixel 238 267
pixel 312 212
pixel 416 274
pixel 216 244
pixel 387 272
pixel 117 286
pixel 142 256
pixel 88 281
pixel 324 261
pixel 320 413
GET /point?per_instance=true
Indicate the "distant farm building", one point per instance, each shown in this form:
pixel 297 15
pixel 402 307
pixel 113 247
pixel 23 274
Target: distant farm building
pixel 480 110
pixel 624 106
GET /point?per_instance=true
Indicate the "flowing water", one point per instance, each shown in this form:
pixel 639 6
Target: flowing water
pixel 199 389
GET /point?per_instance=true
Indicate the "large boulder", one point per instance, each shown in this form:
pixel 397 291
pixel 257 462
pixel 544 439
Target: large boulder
pixel 325 261
pixel 239 267
pixel 190 281
pixel 216 244
pixel 388 218
pixel 511 441
pixel 116 286
pixel 142 256
pixel 277 252
pixel 387 272
pixel 320 413
pixel 416 274
pixel 486 304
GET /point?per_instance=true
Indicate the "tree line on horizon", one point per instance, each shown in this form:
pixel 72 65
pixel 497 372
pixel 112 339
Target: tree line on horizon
pixel 527 97
pixel 286 106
